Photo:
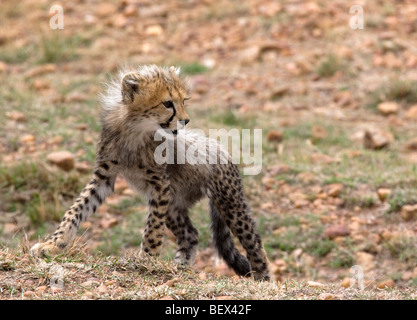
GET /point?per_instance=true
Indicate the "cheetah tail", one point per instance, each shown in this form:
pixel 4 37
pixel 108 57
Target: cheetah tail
pixel 225 246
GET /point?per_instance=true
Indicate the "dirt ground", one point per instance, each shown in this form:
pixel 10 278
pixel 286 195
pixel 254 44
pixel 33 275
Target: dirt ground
pixel 337 106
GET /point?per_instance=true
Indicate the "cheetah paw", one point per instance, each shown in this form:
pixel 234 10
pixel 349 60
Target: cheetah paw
pixel 45 248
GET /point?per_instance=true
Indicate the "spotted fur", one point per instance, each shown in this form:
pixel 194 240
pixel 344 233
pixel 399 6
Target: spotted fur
pixel 136 104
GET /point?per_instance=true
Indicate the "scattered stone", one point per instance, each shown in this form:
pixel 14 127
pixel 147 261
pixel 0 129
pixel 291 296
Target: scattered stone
pixel 411 145
pixel 42 69
pixel 83 167
pixel 202 276
pixel 224 298
pixel 318 132
pixel 41 289
pixel 333 190
pixel 172 282
pixel 339 230
pixel 27 139
pixel 387 108
pixel 28 294
pixel 250 55
pixel 412 113
pixel 328 296
pixel 16 116
pixel 102 289
pixel 320 158
pixel 386 235
pixel 105 10
pixel 279 266
pixel 108 223
pixel 154 30
pixel 408 275
pixel 377 139
pixel 345 282
pixel 62 159
pixel 408 212
pixel 314 284
pixel 383 194
pixel 274 136
pixel 386 284
pixel 365 260
pixel 166 298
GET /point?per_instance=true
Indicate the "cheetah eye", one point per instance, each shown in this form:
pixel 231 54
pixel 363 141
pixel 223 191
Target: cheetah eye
pixel 168 104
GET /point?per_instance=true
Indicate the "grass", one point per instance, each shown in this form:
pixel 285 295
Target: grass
pixel 403 248
pixel 403 91
pixel 130 277
pixel 329 65
pixel 45 193
pixel 193 68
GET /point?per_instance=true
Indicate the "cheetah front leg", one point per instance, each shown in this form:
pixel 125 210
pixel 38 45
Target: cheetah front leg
pixel 92 196
pixel 158 209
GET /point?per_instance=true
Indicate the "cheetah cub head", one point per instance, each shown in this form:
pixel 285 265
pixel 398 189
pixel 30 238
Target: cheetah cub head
pixel 150 98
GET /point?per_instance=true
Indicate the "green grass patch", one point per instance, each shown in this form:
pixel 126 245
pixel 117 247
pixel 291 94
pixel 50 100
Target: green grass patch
pixel 399 90
pixel 193 68
pixel 38 192
pixel 329 65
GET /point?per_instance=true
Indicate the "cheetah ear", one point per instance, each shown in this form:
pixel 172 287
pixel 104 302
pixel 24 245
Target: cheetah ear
pixel 130 87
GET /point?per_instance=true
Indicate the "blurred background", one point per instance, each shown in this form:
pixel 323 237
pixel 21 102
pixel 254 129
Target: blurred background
pixel 337 104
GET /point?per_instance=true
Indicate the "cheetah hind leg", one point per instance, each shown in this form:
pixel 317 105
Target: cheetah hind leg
pixel 186 236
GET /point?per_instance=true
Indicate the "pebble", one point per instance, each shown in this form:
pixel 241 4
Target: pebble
pixel 62 159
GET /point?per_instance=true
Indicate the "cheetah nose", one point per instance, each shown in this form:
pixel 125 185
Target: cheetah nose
pixel 185 121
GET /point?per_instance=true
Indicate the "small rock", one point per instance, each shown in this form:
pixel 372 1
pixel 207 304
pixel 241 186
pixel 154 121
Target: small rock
pixel 27 139
pixel 408 275
pixel 386 284
pixel 62 159
pixel 28 294
pixel 339 230
pixel 383 194
pixel 102 289
pixel 387 108
pixel 250 55
pixel 105 9
pixel 408 212
pixel 319 158
pixel 365 260
pixel 224 298
pixel 328 296
pixel 412 113
pixel 386 235
pixel 202 276
pixel 274 136
pixel 41 289
pixel 318 132
pixel 279 266
pixel 83 167
pixel 334 189
pixel 108 223
pixel 42 69
pixel 345 282
pixel 314 284
pixel 411 145
pixel 377 139
pixel 16 116
pixel 268 182
pixel 166 298
pixel 172 282
pixel 154 30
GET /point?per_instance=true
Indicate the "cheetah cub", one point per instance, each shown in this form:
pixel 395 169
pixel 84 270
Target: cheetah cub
pixel 136 105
